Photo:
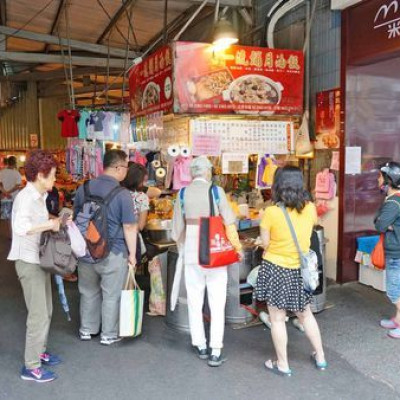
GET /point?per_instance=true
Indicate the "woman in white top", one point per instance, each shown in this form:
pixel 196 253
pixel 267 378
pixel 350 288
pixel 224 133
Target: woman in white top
pixel 29 219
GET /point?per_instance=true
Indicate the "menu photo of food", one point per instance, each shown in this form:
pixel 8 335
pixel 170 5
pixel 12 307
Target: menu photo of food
pixel 151 95
pixel 209 85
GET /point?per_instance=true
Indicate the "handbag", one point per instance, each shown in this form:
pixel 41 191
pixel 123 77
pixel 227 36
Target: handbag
pixel 215 249
pixel 378 253
pixel 131 307
pixel 55 252
pixel 78 243
pixel 308 261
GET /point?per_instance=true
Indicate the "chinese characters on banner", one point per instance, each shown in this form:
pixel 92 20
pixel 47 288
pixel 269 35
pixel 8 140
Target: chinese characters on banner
pixel 240 79
pixel 150 84
pixel 212 137
pixel 328 119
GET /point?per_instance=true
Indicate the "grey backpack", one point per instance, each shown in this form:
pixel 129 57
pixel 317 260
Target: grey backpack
pixel 55 252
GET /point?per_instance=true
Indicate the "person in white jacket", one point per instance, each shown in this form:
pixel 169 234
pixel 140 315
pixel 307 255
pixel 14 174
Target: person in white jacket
pixel 186 233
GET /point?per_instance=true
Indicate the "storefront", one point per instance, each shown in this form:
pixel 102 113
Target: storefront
pixel 370 84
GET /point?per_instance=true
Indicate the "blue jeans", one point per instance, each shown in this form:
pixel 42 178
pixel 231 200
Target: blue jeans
pixel 393 279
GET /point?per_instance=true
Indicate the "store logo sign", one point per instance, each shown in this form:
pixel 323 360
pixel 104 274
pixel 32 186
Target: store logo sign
pixel 388 17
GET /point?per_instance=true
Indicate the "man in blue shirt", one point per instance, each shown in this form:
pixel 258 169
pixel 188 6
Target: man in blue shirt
pixel 100 284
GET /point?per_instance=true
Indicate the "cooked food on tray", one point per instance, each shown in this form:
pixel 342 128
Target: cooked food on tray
pixel 330 140
pixel 151 95
pixel 254 89
pixel 208 86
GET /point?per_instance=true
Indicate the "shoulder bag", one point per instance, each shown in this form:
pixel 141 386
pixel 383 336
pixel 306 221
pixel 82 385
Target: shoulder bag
pixel 308 261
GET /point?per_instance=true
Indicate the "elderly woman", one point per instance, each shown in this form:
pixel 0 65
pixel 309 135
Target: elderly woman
pixel 197 278
pixel 29 219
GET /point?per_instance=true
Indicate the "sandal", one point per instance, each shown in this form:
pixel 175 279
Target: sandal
pixel 321 366
pixel 273 367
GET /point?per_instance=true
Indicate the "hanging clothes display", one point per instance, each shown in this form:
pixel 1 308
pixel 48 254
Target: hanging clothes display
pixel 83 124
pixel 266 168
pixel 69 122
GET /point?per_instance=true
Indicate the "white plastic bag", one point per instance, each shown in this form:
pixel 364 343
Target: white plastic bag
pixel 78 243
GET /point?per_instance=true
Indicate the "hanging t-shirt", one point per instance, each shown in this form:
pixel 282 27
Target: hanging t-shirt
pixel 125 128
pixel 83 124
pixel 69 119
pixel 108 126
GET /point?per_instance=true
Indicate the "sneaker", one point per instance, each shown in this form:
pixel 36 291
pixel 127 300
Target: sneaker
pixel 107 341
pixel 215 361
pixel 50 359
pixel 201 353
pixel 84 336
pixel 394 333
pixel 389 324
pixel 39 375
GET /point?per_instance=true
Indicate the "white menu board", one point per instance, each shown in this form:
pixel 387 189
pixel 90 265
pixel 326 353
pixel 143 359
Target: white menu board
pixel 250 137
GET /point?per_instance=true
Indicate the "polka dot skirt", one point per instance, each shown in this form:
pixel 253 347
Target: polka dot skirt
pixel 281 287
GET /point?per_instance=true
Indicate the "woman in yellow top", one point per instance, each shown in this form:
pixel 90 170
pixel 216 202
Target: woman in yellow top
pixel 279 281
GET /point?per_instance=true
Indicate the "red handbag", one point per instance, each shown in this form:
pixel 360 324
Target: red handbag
pixel 378 253
pixel 215 249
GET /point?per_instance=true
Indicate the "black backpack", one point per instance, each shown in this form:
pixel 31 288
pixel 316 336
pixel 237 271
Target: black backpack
pixel 92 222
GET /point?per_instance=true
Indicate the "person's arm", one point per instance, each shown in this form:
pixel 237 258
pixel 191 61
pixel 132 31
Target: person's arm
pixel 265 238
pixel 130 234
pixel 388 213
pixel 52 224
pixel 143 220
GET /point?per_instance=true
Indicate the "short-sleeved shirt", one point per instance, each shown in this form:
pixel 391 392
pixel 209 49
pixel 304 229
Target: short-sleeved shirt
pixel 140 202
pixel 196 204
pixel 9 178
pixel 120 209
pixel 69 119
pixel 282 250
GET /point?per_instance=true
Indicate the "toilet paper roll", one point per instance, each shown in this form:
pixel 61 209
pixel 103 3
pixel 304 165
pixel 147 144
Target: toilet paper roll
pixel 160 173
pixel 156 164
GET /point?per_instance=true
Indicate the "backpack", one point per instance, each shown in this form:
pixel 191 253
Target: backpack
pixel 55 252
pixel 92 222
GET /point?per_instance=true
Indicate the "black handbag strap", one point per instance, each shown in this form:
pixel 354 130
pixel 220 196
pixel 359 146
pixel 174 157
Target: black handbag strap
pixel 292 231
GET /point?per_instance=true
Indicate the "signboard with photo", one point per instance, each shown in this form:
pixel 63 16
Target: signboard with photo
pixel 328 119
pixel 150 84
pixel 240 79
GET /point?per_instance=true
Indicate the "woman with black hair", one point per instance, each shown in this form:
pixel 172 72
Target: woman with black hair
pixel 279 281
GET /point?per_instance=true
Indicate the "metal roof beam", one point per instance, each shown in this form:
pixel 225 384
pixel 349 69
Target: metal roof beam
pixel 114 20
pixel 79 90
pixel 41 58
pixel 57 74
pixel 77 44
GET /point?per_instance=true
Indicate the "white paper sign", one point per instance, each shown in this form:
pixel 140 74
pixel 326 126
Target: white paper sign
pixel 353 160
pixel 235 163
pixel 335 161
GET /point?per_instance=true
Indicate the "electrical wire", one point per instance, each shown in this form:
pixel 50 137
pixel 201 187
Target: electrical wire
pixel 66 15
pixel 29 20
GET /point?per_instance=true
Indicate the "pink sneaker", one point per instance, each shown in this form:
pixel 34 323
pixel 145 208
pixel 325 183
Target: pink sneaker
pixel 389 324
pixel 394 333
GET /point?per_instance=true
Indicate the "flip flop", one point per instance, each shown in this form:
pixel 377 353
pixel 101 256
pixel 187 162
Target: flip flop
pixel 275 369
pixel 321 366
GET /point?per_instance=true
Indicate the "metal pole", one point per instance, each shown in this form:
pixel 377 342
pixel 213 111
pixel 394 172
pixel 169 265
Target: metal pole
pixel 190 20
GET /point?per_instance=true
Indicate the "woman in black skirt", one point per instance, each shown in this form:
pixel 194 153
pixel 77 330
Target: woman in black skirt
pixel 279 281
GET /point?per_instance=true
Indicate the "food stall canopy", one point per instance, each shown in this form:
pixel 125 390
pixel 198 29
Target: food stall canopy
pixel 193 78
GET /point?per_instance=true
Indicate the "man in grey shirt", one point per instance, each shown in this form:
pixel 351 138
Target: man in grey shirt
pixel 100 284
pixel 197 279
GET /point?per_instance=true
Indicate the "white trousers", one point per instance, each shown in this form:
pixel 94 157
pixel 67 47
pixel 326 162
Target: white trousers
pixel 197 279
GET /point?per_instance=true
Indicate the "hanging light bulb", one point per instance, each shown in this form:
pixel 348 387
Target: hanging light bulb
pixel 224 34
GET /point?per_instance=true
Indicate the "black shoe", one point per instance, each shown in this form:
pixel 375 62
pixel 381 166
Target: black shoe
pixel 201 353
pixel 215 361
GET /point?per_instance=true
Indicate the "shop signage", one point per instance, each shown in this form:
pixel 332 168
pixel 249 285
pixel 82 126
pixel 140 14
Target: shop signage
pixel 33 141
pixel 150 84
pixel 243 136
pixel 328 119
pixel 240 79
pixel 374 30
pixel 235 163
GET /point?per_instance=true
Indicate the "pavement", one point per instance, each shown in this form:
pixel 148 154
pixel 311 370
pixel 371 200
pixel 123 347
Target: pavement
pixel 363 362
